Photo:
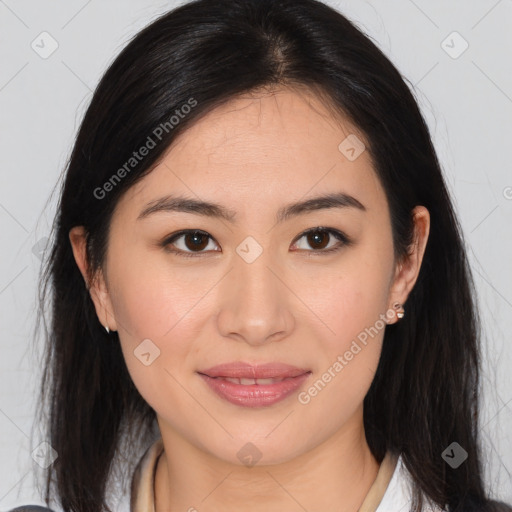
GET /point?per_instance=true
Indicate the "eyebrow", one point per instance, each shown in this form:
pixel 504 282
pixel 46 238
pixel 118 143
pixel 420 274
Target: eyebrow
pixel 171 203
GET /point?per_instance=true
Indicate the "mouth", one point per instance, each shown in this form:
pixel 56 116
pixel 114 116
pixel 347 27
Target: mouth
pixel 249 382
pixel 249 385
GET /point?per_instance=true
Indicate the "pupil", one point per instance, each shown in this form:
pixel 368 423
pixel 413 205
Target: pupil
pixel 196 244
pixel 317 237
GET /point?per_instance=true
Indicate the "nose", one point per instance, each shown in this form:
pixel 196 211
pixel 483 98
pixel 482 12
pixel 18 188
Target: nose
pixel 256 302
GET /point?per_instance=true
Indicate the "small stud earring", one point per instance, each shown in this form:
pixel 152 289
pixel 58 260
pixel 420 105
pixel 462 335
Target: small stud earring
pixel 107 329
pixel 399 310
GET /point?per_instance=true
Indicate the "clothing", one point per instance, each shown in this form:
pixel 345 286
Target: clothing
pixel 390 492
pixel 31 508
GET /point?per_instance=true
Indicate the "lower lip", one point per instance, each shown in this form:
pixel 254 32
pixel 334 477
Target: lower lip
pixel 254 395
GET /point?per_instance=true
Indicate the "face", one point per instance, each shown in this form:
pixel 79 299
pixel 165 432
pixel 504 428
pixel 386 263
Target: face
pixel 310 289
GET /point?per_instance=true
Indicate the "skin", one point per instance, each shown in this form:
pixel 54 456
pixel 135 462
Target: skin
pixel 293 304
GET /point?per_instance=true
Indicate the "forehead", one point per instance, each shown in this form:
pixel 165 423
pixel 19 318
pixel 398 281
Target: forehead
pixel 261 147
pixel 283 122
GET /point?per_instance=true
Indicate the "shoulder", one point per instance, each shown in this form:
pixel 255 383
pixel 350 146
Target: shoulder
pixel 398 495
pixel 31 508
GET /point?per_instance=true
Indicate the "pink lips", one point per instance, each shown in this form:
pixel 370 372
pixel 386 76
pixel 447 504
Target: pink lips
pixel 254 385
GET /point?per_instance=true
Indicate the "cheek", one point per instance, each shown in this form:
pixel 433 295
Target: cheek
pixel 157 326
pixel 151 301
pixel 353 298
pixel 356 313
pixel 155 298
pixel 354 309
pixel 353 304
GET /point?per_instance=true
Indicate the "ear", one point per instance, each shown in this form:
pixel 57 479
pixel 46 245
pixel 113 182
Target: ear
pixel 407 271
pixel 97 286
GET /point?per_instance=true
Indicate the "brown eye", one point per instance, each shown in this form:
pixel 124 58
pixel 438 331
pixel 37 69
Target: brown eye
pixel 188 243
pixel 319 240
pixel 195 241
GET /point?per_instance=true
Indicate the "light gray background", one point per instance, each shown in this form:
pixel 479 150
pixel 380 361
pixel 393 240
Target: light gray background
pixel 467 102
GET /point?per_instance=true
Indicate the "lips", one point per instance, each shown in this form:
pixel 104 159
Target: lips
pixel 254 385
pixel 248 382
pixel 241 370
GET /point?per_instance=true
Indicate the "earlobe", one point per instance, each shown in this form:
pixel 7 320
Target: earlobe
pixel 397 311
pixel 96 286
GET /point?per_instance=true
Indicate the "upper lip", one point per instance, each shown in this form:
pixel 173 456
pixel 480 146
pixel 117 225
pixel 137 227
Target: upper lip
pixel 243 370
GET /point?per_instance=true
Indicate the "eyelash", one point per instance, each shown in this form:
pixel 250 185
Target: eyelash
pixel 341 237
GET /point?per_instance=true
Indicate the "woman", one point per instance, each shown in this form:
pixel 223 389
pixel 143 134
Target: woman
pixel 258 280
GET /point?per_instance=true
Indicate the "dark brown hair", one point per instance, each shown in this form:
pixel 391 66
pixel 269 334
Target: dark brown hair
pixel 425 392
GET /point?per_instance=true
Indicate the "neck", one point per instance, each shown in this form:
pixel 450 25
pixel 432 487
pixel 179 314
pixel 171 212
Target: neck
pixel 336 475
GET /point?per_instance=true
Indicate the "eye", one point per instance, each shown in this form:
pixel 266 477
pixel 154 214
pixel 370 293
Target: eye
pixel 320 237
pixel 193 242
